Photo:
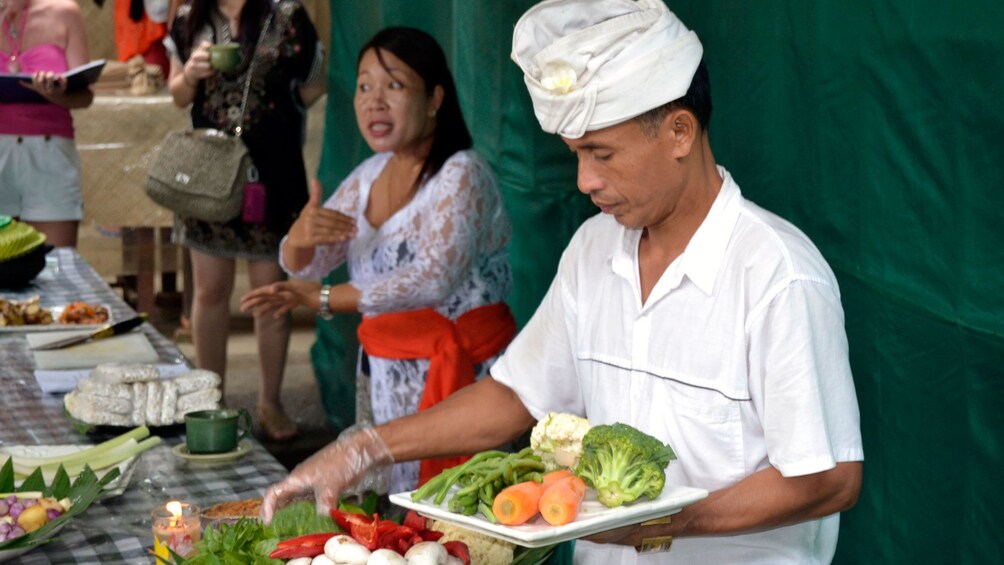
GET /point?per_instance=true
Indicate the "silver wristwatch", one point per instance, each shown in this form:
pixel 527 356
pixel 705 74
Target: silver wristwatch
pixel 324 312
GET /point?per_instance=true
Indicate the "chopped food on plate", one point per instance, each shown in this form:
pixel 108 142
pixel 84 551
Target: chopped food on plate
pixel 83 313
pixel 23 313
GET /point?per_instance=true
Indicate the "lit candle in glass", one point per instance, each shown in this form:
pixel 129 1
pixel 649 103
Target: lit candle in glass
pixel 176 525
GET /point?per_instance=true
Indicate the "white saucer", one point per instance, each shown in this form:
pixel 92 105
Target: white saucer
pixel 181 450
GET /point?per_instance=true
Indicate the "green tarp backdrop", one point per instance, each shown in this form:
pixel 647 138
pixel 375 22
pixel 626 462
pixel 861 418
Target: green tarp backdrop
pixel 873 126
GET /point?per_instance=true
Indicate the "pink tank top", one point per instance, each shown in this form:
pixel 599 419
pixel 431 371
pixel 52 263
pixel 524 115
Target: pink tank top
pixel 36 119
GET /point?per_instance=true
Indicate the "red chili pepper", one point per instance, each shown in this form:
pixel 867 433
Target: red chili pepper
pixel 297 551
pixel 459 550
pixel 415 521
pixel 431 535
pixel 308 540
pixel 366 533
pixel 346 519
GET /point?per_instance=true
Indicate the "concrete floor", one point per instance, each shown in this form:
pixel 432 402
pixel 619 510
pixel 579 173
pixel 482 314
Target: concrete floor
pixel 300 396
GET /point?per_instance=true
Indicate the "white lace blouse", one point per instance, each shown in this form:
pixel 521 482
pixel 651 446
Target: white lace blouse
pixel 446 249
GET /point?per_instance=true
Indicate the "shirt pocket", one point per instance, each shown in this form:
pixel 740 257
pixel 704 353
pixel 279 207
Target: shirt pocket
pixel 705 429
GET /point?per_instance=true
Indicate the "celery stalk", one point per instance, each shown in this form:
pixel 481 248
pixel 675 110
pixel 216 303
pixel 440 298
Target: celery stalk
pixel 83 456
pixel 108 458
pixel 106 454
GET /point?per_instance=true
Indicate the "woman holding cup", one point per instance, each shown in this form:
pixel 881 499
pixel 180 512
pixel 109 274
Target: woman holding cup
pixel 286 75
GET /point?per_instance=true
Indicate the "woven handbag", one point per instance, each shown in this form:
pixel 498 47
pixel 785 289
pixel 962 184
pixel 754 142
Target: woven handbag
pixel 201 173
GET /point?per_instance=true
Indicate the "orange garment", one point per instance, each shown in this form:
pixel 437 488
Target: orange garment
pixel 453 349
pixel 135 38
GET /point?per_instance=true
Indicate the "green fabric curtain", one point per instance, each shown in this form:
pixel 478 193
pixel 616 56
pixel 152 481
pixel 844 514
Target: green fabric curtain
pixel 872 126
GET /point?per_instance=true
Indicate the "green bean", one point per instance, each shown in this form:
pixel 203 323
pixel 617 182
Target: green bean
pixel 486 511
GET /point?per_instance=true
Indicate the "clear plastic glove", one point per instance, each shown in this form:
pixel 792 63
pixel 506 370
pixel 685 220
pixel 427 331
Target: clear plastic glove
pixel 331 471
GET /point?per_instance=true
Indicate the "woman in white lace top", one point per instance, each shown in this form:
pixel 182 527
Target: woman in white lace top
pixel 423 229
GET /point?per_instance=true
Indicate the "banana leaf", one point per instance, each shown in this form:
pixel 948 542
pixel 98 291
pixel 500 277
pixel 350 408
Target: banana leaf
pixel 82 491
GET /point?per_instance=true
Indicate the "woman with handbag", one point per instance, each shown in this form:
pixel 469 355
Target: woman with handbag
pixel 261 100
pixel 423 229
pixel 39 164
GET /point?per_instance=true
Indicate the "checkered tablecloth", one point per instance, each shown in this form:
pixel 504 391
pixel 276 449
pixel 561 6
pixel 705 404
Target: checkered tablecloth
pixel 115 529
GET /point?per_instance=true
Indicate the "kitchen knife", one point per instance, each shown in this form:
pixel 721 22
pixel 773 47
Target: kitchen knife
pixel 107 330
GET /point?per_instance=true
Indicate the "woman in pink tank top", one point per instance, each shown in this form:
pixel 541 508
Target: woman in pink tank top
pixel 39 165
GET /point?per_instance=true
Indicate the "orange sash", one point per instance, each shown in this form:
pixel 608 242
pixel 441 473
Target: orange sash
pixel 453 349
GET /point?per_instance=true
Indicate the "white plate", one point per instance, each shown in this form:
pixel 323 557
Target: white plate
pixel 114 488
pixel 593 517
pixel 55 325
pixel 181 450
pixel 8 554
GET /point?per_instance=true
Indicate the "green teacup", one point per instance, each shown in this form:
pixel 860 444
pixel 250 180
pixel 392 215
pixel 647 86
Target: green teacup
pixel 216 431
pixel 225 57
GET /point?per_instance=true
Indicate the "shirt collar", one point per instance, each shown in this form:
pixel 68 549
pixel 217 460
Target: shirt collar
pixel 702 260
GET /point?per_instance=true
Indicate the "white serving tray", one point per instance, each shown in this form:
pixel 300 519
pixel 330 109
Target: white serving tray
pixel 593 517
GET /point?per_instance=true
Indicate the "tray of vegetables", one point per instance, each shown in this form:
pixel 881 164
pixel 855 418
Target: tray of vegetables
pixel 574 480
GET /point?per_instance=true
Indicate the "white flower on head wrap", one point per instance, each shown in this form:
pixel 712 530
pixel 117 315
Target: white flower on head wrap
pixel 558 77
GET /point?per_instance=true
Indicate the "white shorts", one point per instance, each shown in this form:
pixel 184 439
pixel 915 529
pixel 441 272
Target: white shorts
pixel 40 178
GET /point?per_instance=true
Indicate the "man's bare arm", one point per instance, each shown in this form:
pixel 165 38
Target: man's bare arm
pixel 475 418
pixel 764 500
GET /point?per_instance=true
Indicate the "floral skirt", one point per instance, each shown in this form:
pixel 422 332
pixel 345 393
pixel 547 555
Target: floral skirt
pixel 234 239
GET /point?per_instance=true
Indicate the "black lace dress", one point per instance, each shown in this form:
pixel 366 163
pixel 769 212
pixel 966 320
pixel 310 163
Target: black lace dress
pixel 274 121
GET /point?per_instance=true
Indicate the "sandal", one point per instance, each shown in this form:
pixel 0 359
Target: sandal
pixel 276 424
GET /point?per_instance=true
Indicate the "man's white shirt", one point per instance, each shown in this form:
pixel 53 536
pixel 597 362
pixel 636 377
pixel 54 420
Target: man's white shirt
pixel 737 359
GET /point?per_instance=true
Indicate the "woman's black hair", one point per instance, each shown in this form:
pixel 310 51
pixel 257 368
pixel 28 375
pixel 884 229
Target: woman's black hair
pixel 422 53
pixel 252 15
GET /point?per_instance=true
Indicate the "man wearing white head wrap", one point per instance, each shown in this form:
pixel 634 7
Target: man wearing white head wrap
pixel 682 309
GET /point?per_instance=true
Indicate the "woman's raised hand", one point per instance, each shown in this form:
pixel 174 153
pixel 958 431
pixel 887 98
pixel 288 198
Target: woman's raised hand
pixel 318 225
pixel 197 66
pixel 277 299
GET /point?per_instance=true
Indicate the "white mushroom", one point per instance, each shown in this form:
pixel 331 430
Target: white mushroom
pixel 427 553
pixel 321 559
pixel 451 560
pixel 299 561
pixel 386 557
pixel 343 550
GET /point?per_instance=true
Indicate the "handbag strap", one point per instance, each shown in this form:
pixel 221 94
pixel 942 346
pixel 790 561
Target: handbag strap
pixel 250 74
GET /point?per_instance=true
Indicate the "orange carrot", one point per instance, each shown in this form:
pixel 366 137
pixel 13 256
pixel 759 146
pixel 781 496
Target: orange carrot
pixel 517 503
pixel 560 502
pixel 555 476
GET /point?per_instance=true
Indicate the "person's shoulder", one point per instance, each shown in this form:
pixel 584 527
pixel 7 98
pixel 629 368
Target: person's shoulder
pixel 467 157
pixel 288 7
pixel 465 162
pixel 773 243
pixel 183 12
pixel 67 8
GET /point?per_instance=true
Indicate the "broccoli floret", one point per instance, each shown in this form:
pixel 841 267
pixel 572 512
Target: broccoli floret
pixel 557 439
pixel 623 463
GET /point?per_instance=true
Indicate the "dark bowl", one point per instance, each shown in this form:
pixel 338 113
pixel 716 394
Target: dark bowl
pixel 20 271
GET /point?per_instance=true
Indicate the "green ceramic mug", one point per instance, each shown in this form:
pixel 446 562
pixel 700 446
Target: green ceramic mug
pixel 216 431
pixel 225 57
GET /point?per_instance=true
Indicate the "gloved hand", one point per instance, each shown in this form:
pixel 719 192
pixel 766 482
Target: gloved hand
pixel 326 474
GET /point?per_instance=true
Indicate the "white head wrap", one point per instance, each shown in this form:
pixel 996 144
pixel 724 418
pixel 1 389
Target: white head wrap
pixel 592 64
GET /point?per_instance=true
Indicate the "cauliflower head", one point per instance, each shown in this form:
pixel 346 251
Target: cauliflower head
pixel 485 550
pixel 557 439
